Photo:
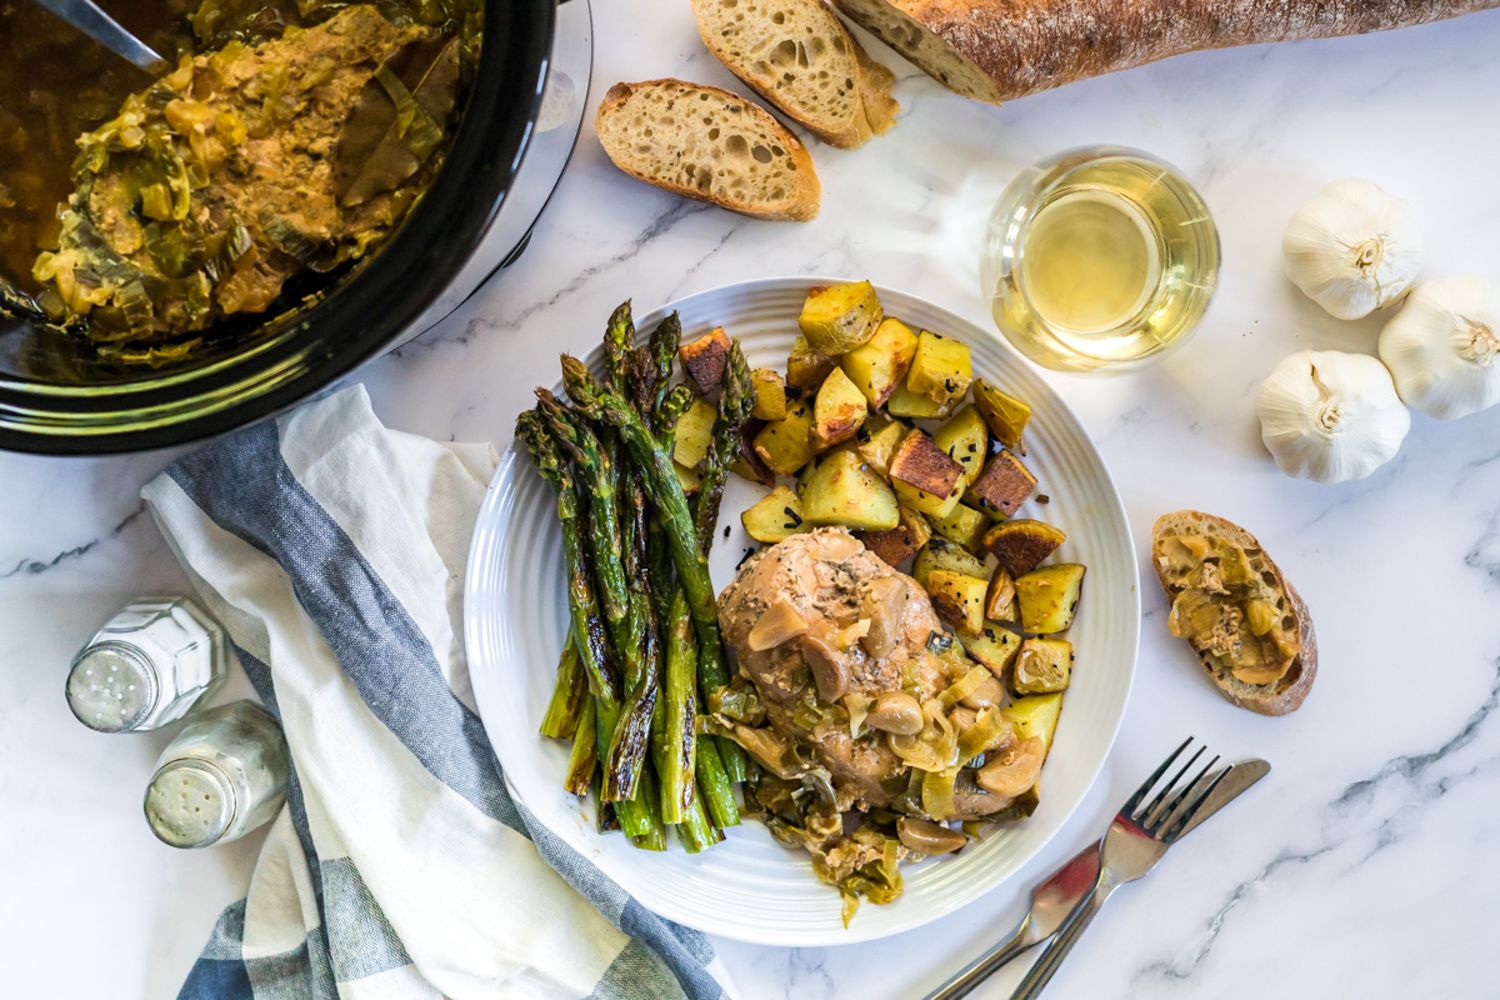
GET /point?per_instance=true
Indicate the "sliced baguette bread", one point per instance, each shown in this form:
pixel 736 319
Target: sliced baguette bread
pixel 1233 649
pixel 706 143
pixel 798 55
pixel 933 35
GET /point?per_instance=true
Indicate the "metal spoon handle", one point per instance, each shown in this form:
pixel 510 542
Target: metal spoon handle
pixel 89 19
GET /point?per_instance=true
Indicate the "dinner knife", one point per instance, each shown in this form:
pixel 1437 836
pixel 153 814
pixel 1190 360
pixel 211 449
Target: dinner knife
pixel 1055 898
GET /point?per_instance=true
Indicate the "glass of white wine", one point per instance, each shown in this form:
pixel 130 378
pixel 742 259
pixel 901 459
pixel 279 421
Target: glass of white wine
pixel 1099 258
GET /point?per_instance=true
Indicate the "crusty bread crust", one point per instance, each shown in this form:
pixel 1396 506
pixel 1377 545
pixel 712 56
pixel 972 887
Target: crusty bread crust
pixel 872 109
pixel 801 201
pixel 1024 46
pixel 1287 693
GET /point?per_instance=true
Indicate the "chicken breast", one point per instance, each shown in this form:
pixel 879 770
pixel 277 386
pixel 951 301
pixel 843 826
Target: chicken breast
pixel 816 619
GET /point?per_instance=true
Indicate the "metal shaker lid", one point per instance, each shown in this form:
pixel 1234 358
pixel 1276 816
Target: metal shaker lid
pixel 111 687
pixel 190 803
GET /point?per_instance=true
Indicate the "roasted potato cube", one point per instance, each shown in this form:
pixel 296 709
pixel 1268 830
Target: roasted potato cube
pixel 941 369
pixel 965 440
pixel 785 445
pixel 939 553
pixel 776 516
pixel 876 441
pixel 1004 485
pixel 694 431
pixel 1022 544
pixel 1000 599
pixel 1035 715
pixel 770 394
pixel 879 366
pixel 843 490
pixel 838 410
pixel 1005 414
pixel 925 478
pixel 840 318
pixel 901 542
pixel 963 525
pixel 992 646
pixel 928 503
pixel 977 502
pixel 1049 597
pixel 689 478
pixel 924 466
pixel 957 598
pixel 706 359
pixel 805 367
pixel 1043 666
pixel 747 463
pixel 913 405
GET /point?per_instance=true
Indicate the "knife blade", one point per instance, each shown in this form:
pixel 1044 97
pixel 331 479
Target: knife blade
pixel 1242 774
pixel 1055 898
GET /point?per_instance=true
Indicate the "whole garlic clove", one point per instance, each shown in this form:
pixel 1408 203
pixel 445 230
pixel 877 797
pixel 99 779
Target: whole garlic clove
pixel 1330 416
pixel 1443 348
pixel 1352 249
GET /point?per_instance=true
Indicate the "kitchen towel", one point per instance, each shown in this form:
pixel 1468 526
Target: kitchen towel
pixel 332 550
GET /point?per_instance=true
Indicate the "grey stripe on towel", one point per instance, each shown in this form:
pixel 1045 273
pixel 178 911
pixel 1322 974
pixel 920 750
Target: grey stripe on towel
pixel 396 672
pixel 382 650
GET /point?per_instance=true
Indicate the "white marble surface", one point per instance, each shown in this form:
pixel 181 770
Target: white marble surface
pixel 1359 868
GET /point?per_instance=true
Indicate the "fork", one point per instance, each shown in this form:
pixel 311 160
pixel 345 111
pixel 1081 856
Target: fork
pixel 1138 837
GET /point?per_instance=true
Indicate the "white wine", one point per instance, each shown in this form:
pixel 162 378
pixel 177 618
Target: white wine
pixel 1099 258
pixel 1091 261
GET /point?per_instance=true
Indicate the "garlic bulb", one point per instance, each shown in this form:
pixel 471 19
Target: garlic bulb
pixel 1443 348
pixel 1330 416
pixel 1352 249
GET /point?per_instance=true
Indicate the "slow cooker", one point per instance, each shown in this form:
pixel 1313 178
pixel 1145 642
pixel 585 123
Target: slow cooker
pixel 519 124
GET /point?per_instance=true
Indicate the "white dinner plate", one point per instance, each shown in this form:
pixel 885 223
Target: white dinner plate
pixel 749 887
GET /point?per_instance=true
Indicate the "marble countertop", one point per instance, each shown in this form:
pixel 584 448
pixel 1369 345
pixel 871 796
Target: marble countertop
pixel 1355 869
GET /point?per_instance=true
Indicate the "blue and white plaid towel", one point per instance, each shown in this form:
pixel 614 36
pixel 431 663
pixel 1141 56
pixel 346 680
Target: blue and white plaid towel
pixel 333 549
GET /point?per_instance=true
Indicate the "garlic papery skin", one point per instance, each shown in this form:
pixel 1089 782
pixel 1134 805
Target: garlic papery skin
pixel 1443 347
pixel 1330 416
pixel 1353 248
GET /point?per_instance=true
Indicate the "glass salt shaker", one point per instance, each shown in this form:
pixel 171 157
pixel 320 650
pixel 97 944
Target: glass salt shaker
pixel 147 666
pixel 222 776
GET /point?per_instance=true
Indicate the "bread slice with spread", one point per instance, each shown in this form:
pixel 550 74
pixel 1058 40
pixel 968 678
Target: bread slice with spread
pixel 799 56
pixel 1250 628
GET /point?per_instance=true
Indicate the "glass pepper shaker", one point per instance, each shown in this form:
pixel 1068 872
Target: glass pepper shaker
pixel 148 665
pixel 223 775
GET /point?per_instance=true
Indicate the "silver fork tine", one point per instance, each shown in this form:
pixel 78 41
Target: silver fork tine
pixel 1141 816
pixel 1155 821
pixel 1140 793
pixel 1183 815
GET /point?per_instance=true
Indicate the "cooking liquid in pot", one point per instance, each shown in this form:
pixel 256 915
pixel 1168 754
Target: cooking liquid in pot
pixel 259 165
pixel 55 84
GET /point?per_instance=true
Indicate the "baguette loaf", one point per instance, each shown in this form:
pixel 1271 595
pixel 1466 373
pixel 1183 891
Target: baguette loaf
pixel 996 50
pixel 1232 648
pixel 706 143
pixel 798 55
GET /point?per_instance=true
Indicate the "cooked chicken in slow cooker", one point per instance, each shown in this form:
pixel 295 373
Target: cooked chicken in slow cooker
pixel 871 725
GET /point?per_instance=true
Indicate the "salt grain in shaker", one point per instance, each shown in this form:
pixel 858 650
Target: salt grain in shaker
pixel 147 666
pixel 224 774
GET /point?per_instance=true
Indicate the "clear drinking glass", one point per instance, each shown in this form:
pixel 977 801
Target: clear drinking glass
pixel 1099 258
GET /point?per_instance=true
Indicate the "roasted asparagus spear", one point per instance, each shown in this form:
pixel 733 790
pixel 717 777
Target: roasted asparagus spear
pixel 569 694
pixel 665 493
